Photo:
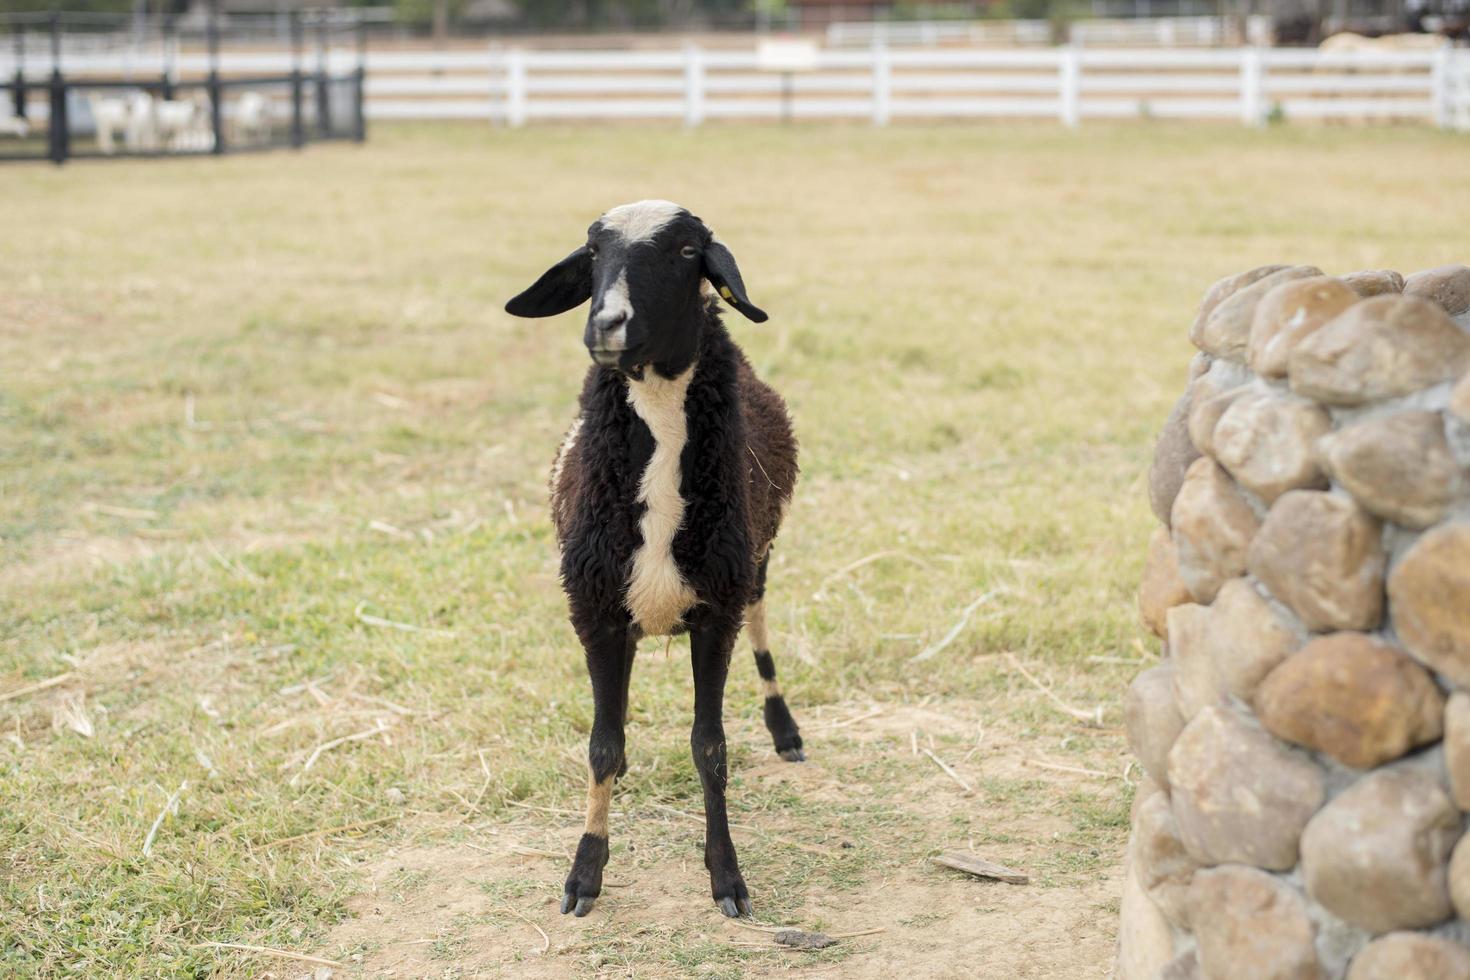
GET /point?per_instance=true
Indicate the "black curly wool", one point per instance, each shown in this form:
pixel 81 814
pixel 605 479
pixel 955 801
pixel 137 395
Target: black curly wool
pixel 738 469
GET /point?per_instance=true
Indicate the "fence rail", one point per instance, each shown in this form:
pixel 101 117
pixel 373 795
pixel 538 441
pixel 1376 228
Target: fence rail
pixel 1138 32
pixel 693 85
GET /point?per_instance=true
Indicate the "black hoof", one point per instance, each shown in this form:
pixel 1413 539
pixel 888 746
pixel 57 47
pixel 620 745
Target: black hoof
pixel 736 907
pixel 784 732
pixel 729 891
pixel 584 884
pixel 578 905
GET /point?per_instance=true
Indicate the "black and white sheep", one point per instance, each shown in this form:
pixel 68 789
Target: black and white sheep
pixel 666 495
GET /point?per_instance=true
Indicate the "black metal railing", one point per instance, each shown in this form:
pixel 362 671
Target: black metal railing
pixel 166 114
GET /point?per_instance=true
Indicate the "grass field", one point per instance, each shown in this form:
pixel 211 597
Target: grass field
pixel 256 411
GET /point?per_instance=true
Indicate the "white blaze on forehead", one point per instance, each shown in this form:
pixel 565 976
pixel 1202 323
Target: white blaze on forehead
pixel 657 594
pixel 640 221
pixel 615 303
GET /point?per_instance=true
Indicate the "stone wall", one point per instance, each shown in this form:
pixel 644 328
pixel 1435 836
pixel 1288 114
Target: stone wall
pixel 1305 741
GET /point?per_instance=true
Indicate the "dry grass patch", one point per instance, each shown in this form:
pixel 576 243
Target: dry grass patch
pixel 255 408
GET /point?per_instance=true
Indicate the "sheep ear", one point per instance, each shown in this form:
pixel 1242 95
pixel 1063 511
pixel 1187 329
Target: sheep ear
pixel 722 272
pixel 565 285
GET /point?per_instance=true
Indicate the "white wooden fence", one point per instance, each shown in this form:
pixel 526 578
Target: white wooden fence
pixel 693 85
pixel 1133 32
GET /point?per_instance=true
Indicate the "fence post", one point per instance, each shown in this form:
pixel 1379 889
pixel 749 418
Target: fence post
pixel 298 85
pixel 882 83
pixel 59 135
pixel 216 90
pixel 1250 86
pixel 323 100
pixel 693 85
pixel 515 88
pixel 170 57
pixel 1439 86
pixel 20 71
pixel 359 96
pixel 1460 90
pixel 1070 84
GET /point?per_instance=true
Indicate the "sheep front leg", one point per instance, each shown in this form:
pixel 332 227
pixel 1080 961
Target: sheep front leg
pixel 710 647
pixel 610 648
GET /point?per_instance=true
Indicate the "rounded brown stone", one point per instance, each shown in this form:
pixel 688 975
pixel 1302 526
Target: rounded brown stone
pixel 1224 288
pixel 1397 466
pixel 1163 866
pixel 1411 956
pixel 1322 556
pixel 1147 786
pixel 1430 592
pixel 1145 941
pixel 1448 287
pixel 1161 588
pixel 1268 443
pixel 1173 452
pixel 1459 875
pixel 1457 747
pixel 1249 637
pixel 1460 400
pixel 1204 415
pixel 1290 312
pixel 1213 527
pixel 1375 856
pixel 1353 697
pixel 1383 347
pixel 1197 683
pixel 1375 282
pixel 1226 331
pixel 1185 966
pixel 1238 794
pixel 1250 924
pixel 1153 720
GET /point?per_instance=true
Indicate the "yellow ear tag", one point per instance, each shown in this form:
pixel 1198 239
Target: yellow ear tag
pixel 725 292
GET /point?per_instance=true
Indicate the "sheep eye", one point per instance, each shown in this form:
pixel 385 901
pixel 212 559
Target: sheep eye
pixel 592 249
pixel 689 251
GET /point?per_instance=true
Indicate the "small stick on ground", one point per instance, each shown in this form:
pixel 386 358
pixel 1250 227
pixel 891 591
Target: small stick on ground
pixel 957 628
pixel 268 951
pixel 37 687
pixel 343 829
pixel 950 772
pixel 754 927
pixel 527 851
pixel 1093 717
pixel 326 746
pixel 1061 768
pixel 981 868
pixel 173 801
pixel 393 624
pixel 865 560
pixel 545 939
pixel 850 721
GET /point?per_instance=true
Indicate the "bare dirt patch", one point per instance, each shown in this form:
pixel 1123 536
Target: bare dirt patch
pixel 848 853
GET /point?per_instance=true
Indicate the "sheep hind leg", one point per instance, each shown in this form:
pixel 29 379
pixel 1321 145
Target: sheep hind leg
pixel 779 722
pixel 609 651
pixel 627 683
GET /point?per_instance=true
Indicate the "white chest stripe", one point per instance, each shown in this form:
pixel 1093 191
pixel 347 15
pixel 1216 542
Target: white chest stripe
pixel 657 594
